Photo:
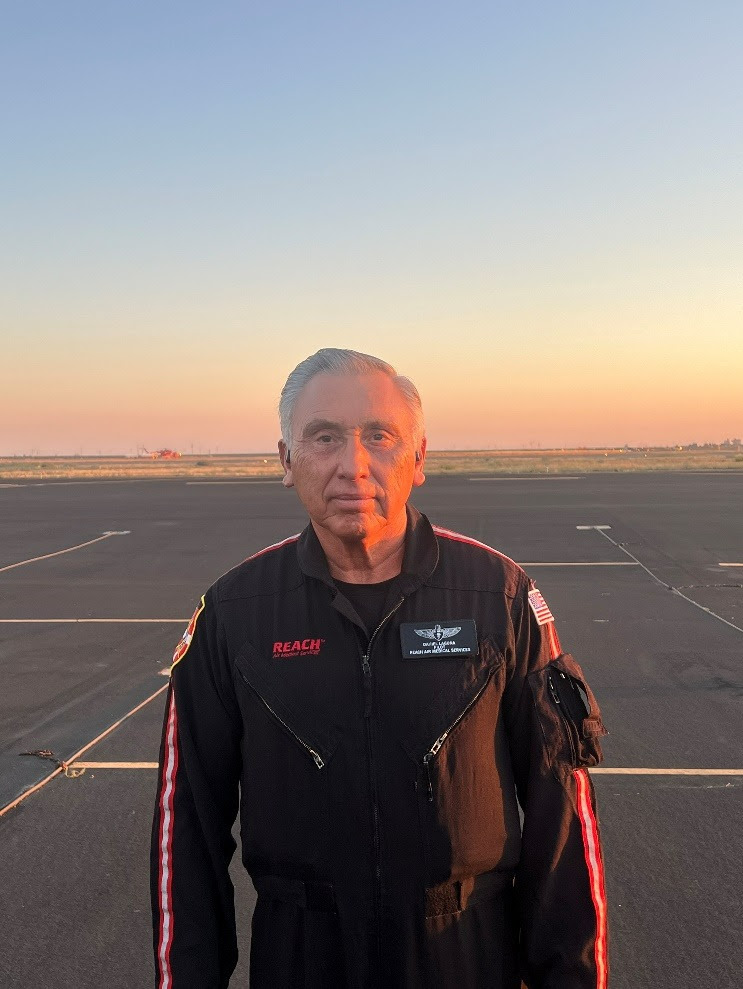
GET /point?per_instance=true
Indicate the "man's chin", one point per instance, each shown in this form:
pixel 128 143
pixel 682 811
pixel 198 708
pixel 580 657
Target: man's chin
pixel 353 526
pixel 353 529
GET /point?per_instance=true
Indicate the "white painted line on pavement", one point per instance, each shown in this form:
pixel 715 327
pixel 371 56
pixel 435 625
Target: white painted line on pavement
pixel 608 771
pixel 587 563
pixel 268 480
pixel 535 477
pixel 59 552
pixel 91 621
pixel 586 527
pixel 113 765
pixel 601 770
pixel 730 564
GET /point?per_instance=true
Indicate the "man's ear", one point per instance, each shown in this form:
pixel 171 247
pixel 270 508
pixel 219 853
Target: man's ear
pixel 420 459
pixel 285 458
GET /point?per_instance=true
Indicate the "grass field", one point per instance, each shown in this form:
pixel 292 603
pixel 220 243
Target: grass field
pixel 437 462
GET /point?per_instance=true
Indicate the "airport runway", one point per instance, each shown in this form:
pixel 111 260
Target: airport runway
pixel 97 581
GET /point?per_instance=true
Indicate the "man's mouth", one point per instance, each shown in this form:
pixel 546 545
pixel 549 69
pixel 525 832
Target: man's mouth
pixel 353 499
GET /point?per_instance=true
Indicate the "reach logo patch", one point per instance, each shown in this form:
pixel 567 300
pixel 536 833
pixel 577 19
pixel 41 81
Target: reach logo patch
pixel 297 647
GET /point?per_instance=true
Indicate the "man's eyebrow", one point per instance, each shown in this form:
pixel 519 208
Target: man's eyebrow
pixel 316 425
pixel 388 427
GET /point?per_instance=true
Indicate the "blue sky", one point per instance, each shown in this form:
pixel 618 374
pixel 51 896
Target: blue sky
pixel 542 197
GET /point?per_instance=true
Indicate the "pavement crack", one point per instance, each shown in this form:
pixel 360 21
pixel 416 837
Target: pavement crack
pixel 69 770
pixel 692 587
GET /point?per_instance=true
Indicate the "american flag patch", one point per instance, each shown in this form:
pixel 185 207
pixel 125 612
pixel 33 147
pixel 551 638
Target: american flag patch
pixel 540 607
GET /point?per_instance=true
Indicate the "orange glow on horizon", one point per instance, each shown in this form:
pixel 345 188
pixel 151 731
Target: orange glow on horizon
pixel 514 389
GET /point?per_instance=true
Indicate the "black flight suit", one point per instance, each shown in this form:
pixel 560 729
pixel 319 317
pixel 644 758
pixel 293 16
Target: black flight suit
pixel 378 781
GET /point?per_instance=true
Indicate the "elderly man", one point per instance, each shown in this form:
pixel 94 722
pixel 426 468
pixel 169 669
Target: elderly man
pixel 383 693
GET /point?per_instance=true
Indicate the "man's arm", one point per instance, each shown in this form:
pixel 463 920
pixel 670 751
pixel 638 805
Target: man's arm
pixel 197 801
pixel 554 724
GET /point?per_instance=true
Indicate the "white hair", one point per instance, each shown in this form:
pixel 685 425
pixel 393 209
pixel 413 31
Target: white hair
pixel 336 360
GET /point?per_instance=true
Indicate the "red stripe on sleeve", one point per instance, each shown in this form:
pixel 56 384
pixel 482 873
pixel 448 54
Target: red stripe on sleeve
pixel 554 641
pixel 165 845
pixel 592 850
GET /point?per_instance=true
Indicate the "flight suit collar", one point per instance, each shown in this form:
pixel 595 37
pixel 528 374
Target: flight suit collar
pixel 420 558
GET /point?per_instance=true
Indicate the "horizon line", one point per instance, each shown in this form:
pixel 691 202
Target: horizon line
pixel 734 444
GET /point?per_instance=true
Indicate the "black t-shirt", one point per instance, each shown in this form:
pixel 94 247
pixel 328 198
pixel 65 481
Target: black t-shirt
pixel 369 600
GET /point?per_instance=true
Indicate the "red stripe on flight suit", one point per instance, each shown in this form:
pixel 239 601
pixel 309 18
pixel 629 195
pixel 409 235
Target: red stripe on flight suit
pixel 457 537
pixel 592 851
pixel 554 641
pixel 165 844
pixel 267 549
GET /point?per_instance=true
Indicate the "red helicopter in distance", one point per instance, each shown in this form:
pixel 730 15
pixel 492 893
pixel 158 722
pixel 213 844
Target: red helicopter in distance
pixel 164 454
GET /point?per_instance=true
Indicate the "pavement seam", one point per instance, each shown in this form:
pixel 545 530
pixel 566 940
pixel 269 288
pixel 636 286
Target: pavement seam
pixel 59 552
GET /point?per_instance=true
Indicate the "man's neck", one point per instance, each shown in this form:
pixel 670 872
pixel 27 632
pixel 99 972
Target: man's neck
pixel 366 560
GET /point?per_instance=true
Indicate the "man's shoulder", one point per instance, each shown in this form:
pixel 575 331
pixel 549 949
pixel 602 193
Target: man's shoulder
pixel 478 563
pixel 261 573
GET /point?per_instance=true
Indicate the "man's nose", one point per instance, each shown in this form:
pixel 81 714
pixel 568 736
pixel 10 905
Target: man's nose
pixel 354 459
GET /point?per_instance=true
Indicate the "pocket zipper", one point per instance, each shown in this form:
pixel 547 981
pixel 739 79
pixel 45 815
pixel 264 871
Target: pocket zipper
pixel 316 757
pixel 434 750
pixel 563 717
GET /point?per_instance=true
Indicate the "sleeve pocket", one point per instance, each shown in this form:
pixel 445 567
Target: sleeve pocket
pixel 568 714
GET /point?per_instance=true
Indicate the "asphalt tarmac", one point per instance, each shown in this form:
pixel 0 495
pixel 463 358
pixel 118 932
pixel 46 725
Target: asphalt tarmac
pixel 86 634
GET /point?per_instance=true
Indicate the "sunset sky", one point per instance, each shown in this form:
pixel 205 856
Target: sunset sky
pixel 534 210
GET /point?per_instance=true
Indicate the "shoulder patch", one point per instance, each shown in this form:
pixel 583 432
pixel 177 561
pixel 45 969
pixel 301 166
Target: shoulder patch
pixel 540 607
pixel 182 648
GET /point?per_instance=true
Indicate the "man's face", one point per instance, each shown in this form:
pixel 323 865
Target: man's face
pixel 353 454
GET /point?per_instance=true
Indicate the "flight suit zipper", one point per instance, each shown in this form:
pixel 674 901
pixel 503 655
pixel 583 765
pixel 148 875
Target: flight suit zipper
pixel 436 747
pixel 566 723
pixel 316 757
pixel 368 697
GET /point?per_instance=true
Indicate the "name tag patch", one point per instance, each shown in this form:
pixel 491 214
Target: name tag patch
pixel 439 638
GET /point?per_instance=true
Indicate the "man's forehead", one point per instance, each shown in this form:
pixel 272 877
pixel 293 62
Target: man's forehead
pixel 350 400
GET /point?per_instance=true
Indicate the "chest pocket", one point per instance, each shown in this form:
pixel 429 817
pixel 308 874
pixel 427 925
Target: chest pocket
pixel 443 715
pixel 286 788
pixel 457 750
pixel 285 699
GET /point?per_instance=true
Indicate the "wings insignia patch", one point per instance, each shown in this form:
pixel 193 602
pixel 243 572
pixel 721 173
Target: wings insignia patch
pixel 437 633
